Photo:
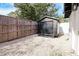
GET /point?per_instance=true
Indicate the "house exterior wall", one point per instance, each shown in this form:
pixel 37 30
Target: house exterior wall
pixel 74 29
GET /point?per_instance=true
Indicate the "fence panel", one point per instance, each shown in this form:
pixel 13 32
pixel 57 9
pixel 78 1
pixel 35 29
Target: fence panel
pixel 12 28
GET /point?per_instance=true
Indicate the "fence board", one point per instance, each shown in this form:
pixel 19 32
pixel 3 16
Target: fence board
pixel 0 28
pixel 4 37
pixel 1 37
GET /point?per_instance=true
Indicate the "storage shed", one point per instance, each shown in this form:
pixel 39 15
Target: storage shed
pixel 48 26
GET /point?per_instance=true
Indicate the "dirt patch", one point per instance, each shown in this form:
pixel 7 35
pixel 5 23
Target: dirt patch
pixel 37 46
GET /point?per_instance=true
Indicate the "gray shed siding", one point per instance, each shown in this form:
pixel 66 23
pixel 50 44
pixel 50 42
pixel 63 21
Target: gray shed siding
pixel 48 27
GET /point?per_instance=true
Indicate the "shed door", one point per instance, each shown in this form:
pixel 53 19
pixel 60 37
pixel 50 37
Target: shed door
pixel 47 27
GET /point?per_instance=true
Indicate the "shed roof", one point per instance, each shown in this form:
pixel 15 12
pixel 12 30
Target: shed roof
pixel 53 18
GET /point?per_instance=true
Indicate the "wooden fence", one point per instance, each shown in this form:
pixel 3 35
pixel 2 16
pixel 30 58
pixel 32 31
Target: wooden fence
pixel 12 28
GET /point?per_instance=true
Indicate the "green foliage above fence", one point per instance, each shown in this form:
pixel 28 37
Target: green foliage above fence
pixel 35 11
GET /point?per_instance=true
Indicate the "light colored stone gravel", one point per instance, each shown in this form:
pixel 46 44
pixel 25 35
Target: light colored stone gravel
pixel 35 45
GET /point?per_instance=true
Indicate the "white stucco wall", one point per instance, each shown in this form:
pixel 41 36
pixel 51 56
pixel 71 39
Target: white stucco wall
pixel 64 28
pixel 74 29
pixel 77 29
